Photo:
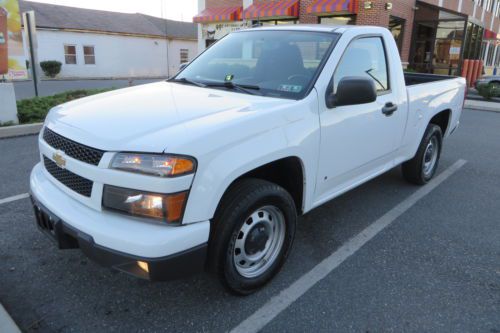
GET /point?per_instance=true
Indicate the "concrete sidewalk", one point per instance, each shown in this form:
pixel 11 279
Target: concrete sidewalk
pixel 482 105
pixel 7 325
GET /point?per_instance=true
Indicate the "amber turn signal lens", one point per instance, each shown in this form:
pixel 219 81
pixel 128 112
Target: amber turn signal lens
pixel 175 204
pixel 182 166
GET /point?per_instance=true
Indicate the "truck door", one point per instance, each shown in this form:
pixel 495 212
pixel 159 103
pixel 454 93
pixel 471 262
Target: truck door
pixel 358 141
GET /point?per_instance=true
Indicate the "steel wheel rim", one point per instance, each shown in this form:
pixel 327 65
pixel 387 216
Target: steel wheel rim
pixel 268 222
pixel 430 156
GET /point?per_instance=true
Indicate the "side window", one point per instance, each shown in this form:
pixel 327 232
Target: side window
pixel 364 57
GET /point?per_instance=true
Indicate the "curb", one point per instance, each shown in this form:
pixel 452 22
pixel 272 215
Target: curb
pixel 20 130
pixel 7 325
pixel 482 106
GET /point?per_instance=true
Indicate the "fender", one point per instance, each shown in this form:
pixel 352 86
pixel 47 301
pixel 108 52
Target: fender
pixel 297 136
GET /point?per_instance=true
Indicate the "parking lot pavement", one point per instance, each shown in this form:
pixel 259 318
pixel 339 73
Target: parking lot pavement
pixel 436 267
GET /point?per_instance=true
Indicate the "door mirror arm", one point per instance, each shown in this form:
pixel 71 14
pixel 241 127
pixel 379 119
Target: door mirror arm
pixel 330 100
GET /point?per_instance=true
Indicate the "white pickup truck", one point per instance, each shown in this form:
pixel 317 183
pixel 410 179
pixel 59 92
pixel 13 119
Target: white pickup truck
pixel 210 169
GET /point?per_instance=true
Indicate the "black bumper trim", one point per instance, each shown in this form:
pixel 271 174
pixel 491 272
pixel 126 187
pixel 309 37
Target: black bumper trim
pixel 171 267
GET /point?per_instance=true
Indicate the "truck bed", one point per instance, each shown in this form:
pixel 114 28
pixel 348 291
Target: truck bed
pixel 419 78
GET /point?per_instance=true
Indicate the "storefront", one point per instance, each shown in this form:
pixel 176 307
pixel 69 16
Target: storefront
pixel 273 12
pixel 432 36
pixel 490 52
pixel 218 22
pixel 438 40
pixel 335 12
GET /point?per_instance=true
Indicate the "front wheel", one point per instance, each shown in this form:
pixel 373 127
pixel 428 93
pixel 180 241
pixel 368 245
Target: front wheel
pixel 422 167
pixel 252 234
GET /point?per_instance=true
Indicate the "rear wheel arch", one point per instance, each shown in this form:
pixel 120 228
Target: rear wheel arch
pixel 442 119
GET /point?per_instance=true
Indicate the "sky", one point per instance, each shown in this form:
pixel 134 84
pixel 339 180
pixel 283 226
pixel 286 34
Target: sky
pixel 180 10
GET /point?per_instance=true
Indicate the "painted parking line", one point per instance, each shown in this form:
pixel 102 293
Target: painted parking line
pixel 286 297
pixel 14 198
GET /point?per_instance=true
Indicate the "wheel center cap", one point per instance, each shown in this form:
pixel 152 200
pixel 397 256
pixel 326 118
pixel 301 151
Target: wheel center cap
pixel 256 240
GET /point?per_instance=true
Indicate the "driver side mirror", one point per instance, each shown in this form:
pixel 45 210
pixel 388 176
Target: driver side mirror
pixel 352 90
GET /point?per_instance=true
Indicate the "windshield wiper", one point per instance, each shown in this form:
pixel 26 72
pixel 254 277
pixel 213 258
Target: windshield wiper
pixel 245 88
pixel 188 81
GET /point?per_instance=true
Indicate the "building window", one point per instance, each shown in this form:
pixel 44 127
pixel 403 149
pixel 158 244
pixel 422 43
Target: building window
pixel 184 53
pixel 70 54
pixel 497 59
pixel 274 22
pixel 396 26
pixel 489 58
pixel 89 55
pixel 338 20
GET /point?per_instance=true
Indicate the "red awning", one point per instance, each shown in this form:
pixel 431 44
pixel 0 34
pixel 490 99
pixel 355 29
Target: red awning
pixel 322 7
pixel 488 34
pixel 219 15
pixel 272 9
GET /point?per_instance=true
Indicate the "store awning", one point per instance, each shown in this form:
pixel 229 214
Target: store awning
pixel 220 14
pixel 488 34
pixel 272 9
pixel 324 7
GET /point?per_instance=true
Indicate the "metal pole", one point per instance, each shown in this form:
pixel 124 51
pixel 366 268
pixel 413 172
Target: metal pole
pixel 32 54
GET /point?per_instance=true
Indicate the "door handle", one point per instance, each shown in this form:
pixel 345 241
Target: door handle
pixel 389 109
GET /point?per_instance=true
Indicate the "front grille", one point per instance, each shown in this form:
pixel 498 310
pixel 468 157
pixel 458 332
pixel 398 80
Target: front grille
pixel 74 182
pixel 71 148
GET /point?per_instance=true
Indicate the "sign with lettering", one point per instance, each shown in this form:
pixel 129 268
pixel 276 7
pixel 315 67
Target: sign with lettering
pixel 219 30
pixel 12 58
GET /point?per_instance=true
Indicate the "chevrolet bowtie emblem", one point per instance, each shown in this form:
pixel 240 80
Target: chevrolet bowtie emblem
pixel 59 159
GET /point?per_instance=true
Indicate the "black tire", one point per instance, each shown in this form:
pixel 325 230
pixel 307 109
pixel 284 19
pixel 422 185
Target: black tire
pixel 414 169
pixel 242 199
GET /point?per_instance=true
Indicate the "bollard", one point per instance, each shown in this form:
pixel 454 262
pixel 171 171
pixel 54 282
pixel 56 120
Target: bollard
pixel 465 68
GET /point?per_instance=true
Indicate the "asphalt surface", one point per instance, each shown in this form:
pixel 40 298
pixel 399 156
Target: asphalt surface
pixel 434 269
pixel 26 89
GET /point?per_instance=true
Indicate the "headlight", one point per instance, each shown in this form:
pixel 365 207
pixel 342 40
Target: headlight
pixel 157 165
pixel 166 207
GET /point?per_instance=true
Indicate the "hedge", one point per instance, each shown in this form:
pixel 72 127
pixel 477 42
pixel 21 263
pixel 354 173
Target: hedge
pixel 51 67
pixel 34 110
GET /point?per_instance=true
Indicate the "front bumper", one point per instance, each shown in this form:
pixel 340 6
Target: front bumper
pixel 116 240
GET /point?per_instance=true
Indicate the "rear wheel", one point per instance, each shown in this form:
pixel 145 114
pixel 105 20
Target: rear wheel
pixel 252 234
pixel 422 167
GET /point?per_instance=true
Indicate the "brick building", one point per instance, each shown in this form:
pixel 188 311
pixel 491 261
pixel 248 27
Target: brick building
pixel 433 36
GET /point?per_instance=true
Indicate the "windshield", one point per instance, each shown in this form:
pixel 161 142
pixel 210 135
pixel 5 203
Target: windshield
pixel 269 63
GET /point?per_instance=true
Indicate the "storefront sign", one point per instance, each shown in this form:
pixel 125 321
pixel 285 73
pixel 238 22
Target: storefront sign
pixel 219 30
pixel 454 50
pixel 12 59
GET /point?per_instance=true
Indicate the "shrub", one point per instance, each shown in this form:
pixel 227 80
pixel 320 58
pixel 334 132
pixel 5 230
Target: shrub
pixel 488 91
pixel 35 109
pixel 51 68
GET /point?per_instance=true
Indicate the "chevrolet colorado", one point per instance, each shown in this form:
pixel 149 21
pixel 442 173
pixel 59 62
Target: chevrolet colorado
pixel 210 169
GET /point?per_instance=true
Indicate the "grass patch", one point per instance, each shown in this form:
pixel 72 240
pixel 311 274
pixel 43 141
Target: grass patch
pixel 34 110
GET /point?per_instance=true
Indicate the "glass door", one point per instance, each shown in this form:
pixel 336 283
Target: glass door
pixel 423 47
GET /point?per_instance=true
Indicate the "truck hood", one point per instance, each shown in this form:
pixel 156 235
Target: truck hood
pixel 148 117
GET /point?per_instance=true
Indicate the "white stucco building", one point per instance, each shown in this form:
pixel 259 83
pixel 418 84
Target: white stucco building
pixel 100 44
